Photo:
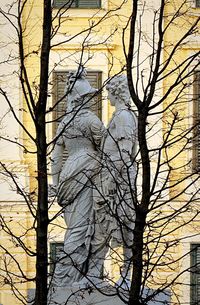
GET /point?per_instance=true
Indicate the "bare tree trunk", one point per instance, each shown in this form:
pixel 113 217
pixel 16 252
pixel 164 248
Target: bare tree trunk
pixel 42 210
pixel 141 213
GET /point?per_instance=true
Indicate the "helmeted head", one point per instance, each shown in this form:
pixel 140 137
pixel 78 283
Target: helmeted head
pixel 118 89
pixel 78 86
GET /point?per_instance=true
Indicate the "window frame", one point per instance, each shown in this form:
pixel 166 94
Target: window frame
pixel 196 119
pixel 193 275
pixel 77 5
pixel 56 97
pixel 55 117
pixel 197 2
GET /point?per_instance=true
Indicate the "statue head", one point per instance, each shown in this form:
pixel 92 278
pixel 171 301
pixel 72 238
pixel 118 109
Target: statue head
pixel 118 89
pixel 78 87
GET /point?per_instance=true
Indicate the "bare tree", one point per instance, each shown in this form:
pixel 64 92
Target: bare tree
pixel 166 84
pixel 160 76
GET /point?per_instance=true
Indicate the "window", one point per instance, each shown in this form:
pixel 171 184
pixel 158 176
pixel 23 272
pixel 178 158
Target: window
pixel 195 274
pixel 77 3
pixel 197 121
pixel 197 2
pixel 56 249
pixel 59 81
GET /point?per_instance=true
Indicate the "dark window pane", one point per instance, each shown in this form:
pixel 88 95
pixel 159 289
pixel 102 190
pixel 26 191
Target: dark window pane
pixel 64 3
pixel 197 3
pixel 59 83
pixel 59 99
pixel 89 3
pixel 77 3
pixel 197 120
pixel 195 274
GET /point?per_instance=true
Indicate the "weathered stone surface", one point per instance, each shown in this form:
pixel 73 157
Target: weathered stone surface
pixel 80 133
pixel 108 296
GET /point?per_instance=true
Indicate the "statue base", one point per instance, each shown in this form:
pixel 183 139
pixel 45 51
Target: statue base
pixel 107 296
pixel 71 296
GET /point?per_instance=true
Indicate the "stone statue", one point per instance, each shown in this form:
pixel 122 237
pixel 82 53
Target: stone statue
pixel 115 188
pixel 80 132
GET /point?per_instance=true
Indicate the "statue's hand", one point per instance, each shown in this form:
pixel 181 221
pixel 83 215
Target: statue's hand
pixel 52 190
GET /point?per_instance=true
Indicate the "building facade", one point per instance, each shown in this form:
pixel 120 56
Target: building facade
pixel 91 33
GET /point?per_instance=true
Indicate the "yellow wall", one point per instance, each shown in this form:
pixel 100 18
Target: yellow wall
pixel 184 106
pixel 67 55
pixel 64 57
pixel 60 58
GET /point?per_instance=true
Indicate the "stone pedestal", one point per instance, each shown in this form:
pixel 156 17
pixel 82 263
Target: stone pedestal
pixel 91 296
pixel 75 296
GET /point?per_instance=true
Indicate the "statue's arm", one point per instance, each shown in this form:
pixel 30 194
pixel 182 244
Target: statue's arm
pixel 126 130
pixel 56 164
pixel 125 139
pixel 98 130
pixel 125 148
pixel 57 156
